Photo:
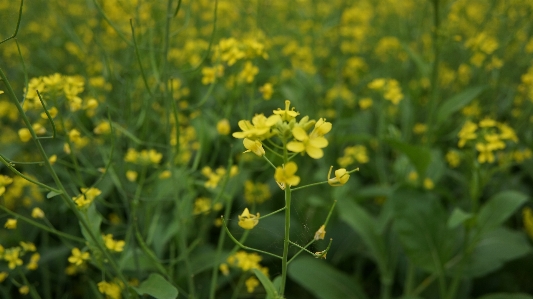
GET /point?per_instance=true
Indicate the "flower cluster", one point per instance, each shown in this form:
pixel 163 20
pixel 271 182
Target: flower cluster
pixel 246 262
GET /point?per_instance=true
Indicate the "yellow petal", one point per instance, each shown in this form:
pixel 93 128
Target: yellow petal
pixel 299 134
pixel 319 142
pixel 290 168
pixel 296 146
pixel 293 181
pixel 314 152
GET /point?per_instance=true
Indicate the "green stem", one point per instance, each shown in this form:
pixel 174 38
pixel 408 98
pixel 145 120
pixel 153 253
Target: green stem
pixel 244 246
pixel 286 241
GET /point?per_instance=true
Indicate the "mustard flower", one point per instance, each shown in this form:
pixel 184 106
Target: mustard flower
pixel 102 128
pixel 201 205
pixel 11 256
pixel 320 233
pixel 254 146
pixel 485 153
pixel 259 128
pixel 131 175
pixel 110 289
pixel 3 276
pixel 224 269
pixel 24 135
pixel 256 193
pixel 77 258
pixel 223 127
pixel 37 213
pixel 286 175
pixel 247 220
pixel 453 159
pixel 251 283
pixel 365 103
pixel 267 90
pixel 4 181
pixel 248 72
pixel 341 177
pixel 34 260
pixel 24 290
pixel 313 143
pixel 428 184
pixel 113 245
pixel 287 114
pixel 467 132
pixel 11 223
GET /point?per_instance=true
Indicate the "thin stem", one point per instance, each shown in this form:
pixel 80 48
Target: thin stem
pixel 244 246
pixel 18 24
pixel 270 214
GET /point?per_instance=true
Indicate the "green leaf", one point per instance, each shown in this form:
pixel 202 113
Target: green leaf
pixel 419 156
pixel 507 296
pixel 367 227
pixel 422 66
pixel 158 287
pixel 267 284
pixel 498 209
pixel 494 250
pixel 94 219
pixel 457 102
pixel 52 194
pixel 420 222
pixel 322 280
pixel 458 217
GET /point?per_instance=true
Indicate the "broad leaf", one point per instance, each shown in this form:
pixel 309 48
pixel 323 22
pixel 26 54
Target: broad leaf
pixel 419 156
pixel 498 209
pixel 324 281
pixel 158 287
pixel 458 217
pixel 457 102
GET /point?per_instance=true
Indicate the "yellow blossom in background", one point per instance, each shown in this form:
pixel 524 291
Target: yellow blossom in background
pixel 247 220
pixel 341 177
pixel 28 246
pixel 487 123
pixel 467 132
pixel 102 128
pixel 113 245
pixel 320 233
pixel 453 159
pixel 24 290
pixel 248 72
pixel 214 177
pixel 34 260
pixel 412 176
pixel 3 276
pixel 208 75
pixel 110 289
pixel 52 111
pixel 420 128
pixel 4 181
pixel 202 205
pixel 485 153
pixel 251 283
pixel 77 258
pixel 286 174
pixel 224 269
pixel 428 184
pixel 11 256
pixel 377 84
pixel 131 175
pixel 223 127
pixel 256 193
pixel 11 223
pixel 52 159
pixel 365 103
pixel 86 198
pixel 165 174
pixel 254 146
pixel 287 114
pixel 24 135
pixel 267 90
pixel 352 154
pixel 527 217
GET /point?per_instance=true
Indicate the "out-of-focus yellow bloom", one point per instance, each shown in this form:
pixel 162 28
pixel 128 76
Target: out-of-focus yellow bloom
pixel 313 143
pixel 11 256
pixel 247 220
pixel 103 127
pixel 254 146
pixel 28 246
pixel 453 158
pixel 267 90
pixel 201 205
pixel 11 223
pixel 131 175
pixel 377 84
pixel 52 159
pixel 86 198
pixel 527 215
pixel 224 269
pixel 251 283
pixel 3 276
pixel 77 258
pixel 485 153
pixel 256 193
pixel 365 103
pixel 4 181
pixel 428 184
pixel 165 174
pixel 110 289
pixel 248 72
pixel 467 132
pixel 33 264
pixel 52 111
pixel 24 290
pixel 286 174
pixel 420 128
pixel 24 135
pixel 320 233
pixel 341 177
pixel 287 114
pixel 113 245
pixel 223 127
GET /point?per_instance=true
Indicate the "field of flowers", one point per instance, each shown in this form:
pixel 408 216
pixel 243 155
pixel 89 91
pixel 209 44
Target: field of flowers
pixel 266 149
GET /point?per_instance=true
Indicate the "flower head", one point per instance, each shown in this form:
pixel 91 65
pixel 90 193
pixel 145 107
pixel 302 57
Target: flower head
pixel 259 128
pixel 320 233
pixel 287 114
pixel 287 174
pixel 77 258
pixel 254 146
pixel 247 220
pixel 341 177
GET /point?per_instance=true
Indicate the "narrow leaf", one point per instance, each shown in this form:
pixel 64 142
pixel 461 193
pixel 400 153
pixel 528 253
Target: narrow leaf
pixel 457 102
pixel 52 194
pixel 267 284
pixel 419 156
pixel 158 287
pixel 498 209
pixel 458 217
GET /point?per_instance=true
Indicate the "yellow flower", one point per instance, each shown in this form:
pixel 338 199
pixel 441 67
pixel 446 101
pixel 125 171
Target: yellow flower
pixel 453 158
pixel 254 146
pixel 34 260
pixel 288 113
pixel 165 174
pixel 77 258
pixel 131 175
pixel 485 153
pixel 428 184
pixel 223 127
pixel 11 223
pixel 113 245
pixel 248 72
pixel 251 284
pixel 247 220
pixel 313 143
pixel 110 289
pixel 4 180
pixel 320 233
pixel 11 256
pixel 267 90
pixel 365 103
pixel 37 213
pixel 86 198
pixel 24 135
pixel 468 132
pixel 285 175
pixel 103 127
pixel 259 128
pixel 201 205
pixel 341 177
pixel 256 193
pixel 224 269
pixel 24 290
pixel 3 276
